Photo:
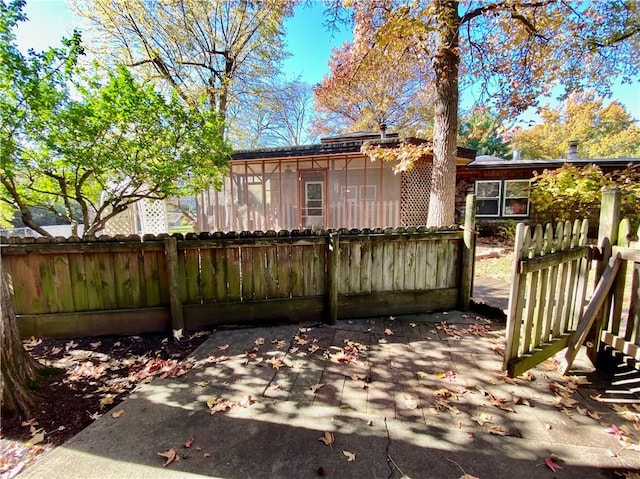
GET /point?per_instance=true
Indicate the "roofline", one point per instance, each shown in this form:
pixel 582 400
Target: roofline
pixel 331 148
pixel 511 164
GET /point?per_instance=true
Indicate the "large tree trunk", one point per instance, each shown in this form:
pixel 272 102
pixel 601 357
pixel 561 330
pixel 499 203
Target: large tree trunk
pixel 19 370
pixel 445 126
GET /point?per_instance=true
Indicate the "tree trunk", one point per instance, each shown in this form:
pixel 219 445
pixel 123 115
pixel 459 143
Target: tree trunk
pixel 445 126
pixel 19 370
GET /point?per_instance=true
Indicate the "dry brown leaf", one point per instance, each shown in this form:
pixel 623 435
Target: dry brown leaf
pixel 468 476
pixel 388 332
pixel 498 431
pixel 594 415
pixel 482 418
pixel 105 401
pixel 188 443
pixel 117 414
pixel 177 334
pixel 170 455
pixel 224 347
pixel 315 387
pixel 327 438
pixel 36 438
pixel 351 456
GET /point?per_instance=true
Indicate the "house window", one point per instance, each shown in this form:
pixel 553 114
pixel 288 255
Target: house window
pixel 516 198
pixel 488 198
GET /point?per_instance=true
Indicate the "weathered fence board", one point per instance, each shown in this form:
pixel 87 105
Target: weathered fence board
pixel 129 285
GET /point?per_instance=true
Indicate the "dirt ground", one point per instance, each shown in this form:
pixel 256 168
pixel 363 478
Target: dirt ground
pixel 96 374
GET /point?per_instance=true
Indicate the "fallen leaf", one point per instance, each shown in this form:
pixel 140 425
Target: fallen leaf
pixel 498 431
pixel 177 335
pixel 482 418
pixel 552 464
pixel 410 402
pixel 105 401
pixel 327 438
pixel 468 476
pixel 594 415
pixel 517 400
pixel 349 455
pixel 117 414
pixel 170 455
pixel 206 454
pixel 388 332
pixel 224 347
pixel 188 443
pixel 202 384
pixel 246 401
pixel 315 387
pixel 38 437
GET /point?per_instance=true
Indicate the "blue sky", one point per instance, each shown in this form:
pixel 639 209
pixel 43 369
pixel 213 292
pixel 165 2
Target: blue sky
pixel 308 41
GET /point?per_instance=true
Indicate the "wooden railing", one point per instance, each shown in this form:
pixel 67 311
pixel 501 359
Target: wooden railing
pixel 132 285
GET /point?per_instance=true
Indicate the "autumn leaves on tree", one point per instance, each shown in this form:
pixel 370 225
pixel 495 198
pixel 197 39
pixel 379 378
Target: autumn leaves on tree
pixel 510 52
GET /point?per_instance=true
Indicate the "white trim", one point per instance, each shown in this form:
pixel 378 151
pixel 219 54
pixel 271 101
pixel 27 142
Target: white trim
pixel 493 198
pixel 505 198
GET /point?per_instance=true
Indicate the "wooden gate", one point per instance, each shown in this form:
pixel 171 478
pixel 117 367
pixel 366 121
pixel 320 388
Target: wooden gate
pixel 547 310
pixel 547 292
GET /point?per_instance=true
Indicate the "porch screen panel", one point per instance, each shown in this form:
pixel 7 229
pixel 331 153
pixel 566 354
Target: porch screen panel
pixel 416 189
pixel 256 190
pixel 272 195
pixel 288 214
pixel 340 193
pixel 369 193
pixel 389 202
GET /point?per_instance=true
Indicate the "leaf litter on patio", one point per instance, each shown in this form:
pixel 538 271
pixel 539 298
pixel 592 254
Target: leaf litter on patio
pixel 112 377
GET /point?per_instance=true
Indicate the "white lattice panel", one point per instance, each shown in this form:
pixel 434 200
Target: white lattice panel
pixel 415 192
pixel 152 216
pixel 121 224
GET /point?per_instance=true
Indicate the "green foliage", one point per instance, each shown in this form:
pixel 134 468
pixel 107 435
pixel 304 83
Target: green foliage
pixel 570 193
pixel 507 230
pixel 85 145
pixel 481 130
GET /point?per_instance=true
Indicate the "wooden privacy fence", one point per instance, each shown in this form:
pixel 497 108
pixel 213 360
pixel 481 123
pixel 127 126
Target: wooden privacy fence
pixel 133 285
pixel 547 292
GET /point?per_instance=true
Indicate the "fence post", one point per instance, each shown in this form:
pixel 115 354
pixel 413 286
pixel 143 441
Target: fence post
pixel 607 238
pixel 468 253
pixel 175 304
pixel 333 272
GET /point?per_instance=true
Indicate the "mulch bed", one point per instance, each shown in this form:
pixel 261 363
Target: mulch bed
pixel 97 374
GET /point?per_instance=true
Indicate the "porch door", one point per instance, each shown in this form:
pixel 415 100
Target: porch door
pixel 313 199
